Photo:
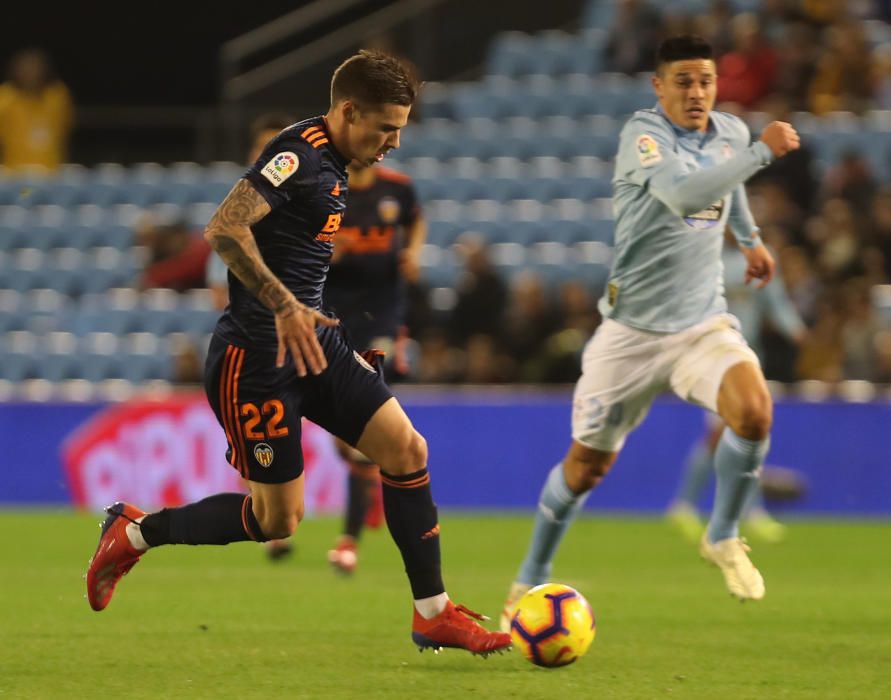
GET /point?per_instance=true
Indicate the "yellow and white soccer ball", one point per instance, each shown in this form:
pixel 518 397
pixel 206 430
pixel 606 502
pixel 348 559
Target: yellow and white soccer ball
pixel 552 625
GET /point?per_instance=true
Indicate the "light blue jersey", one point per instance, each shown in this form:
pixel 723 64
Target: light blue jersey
pixel 674 191
pixel 753 306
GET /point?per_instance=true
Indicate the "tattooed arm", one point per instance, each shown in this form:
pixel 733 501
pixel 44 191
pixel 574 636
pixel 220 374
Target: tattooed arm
pixel 229 234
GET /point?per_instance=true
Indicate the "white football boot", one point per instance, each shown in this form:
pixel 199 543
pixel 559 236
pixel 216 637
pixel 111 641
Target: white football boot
pixel 517 591
pixel 743 580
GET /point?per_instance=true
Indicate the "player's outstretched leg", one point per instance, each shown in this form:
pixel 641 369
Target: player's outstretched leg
pixel 390 440
pixel 557 508
pixel 412 520
pixel 128 532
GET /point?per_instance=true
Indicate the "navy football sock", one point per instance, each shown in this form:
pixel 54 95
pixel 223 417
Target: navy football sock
pixel 219 519
pixel 413 524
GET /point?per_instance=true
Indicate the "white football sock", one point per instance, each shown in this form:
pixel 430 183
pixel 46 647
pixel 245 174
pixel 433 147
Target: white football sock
pixel 134 534
pixel 432 606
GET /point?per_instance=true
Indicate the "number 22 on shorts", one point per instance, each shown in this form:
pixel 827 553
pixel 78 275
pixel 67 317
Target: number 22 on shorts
pixel 273 411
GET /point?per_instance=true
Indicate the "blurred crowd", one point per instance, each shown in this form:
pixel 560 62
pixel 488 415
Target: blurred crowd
pixel 830 228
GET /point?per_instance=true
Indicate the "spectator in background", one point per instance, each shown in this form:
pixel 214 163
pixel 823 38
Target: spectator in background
pixel 35 114
pixel 177 256
pixel 797 52
pixel 881 66
pixel 746 74
pixel 775 16
pixel 851 179
pixel 529 322
pixel 822 356
pixel 715 26
pixel 834 236
pixel 561 358
pixel 440 363
pixel 802 283
pixel 844 75
pixel 861 326
pixel 632 38
pixel 879 223
pixel 482 294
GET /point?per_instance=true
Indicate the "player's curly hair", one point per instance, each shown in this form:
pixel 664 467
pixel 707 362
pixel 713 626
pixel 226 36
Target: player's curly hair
pixel 374 78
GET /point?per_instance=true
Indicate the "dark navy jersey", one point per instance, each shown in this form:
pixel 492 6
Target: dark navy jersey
pixel 303 178
pixel 364 287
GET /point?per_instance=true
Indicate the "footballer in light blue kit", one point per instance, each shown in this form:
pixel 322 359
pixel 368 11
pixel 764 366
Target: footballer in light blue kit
pixel 678 182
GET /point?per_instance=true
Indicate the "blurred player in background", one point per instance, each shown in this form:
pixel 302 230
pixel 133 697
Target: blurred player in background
pixel 376 254
pixel 678 179
pixel 753 308
pixel 264 128
pixel 275 357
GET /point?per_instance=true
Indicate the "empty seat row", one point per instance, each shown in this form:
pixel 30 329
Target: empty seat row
pixel 105 194
pixel 524 233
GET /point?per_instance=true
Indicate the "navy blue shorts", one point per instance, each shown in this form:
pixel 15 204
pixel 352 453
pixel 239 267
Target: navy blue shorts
pixel 260 405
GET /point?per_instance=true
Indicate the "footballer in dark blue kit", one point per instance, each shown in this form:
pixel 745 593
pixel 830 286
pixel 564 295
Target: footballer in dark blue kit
pixel 375 256
pixel 276 357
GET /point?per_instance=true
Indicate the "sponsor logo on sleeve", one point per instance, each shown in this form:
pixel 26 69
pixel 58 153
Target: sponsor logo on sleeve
pixel 281 167
pixel 708 217
pixel 648 150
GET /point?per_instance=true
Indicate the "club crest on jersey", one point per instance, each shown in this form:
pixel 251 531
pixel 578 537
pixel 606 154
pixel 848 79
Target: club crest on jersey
pixel 727 151
pixel 648 150
pixel 389 210
pixel 264 454
pixel 281 167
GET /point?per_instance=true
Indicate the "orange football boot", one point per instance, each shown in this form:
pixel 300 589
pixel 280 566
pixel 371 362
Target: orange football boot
pixel 455 628
pixel 114 555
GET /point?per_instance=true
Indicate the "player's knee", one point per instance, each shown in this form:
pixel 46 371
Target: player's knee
pixel 754 419
pixel 278 525
pixel 408 453
pixel 414 454
pixel 584 472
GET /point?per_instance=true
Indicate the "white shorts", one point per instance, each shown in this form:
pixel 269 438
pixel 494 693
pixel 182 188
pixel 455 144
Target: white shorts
pixel 624 369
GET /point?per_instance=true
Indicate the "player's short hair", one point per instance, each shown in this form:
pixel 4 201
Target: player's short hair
pixel 682 48
pixel 373 78
pixel 268 122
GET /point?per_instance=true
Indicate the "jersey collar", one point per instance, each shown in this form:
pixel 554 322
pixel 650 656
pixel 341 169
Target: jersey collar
pixel 338 156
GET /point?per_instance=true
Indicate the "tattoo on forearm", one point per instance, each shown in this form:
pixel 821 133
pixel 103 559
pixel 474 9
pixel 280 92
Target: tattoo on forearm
pixel 230 236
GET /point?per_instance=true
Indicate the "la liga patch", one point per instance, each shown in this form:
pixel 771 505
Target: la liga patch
pixel 281 167
pixel 648 150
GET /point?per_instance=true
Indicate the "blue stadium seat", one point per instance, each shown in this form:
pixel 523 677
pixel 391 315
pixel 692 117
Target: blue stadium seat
pixel 17 367
pixel 511 54
pixel 442 233
pixel 139 368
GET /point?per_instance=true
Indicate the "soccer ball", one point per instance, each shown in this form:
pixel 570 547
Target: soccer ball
pixel 552 625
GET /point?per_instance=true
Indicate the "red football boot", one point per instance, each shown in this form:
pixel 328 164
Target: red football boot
pixel 454 628
pixel 344 557
pixel 114 556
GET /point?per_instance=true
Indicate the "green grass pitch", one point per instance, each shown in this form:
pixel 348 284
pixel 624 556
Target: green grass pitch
pixel 225 623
